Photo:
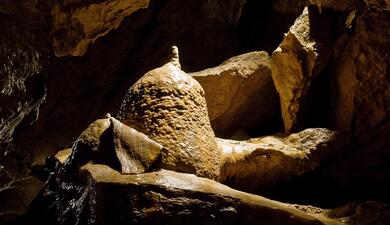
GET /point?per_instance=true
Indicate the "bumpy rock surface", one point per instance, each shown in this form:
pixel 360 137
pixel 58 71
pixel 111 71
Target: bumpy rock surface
pixel 239 92
pixel 301 56
pixel 169 106
pixel 76 24
pixel 167 197
pixel 260 162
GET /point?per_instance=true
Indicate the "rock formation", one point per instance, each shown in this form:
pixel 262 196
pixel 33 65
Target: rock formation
pixel 112 143
pixel 261 162
pixel 76 24
pixel 66 63
pixel 169 106
pixel 303 54
pixel 239 92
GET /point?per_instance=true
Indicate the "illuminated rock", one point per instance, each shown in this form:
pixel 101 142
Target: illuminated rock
pixel 260 162
pixel 239 92
pixel 169 106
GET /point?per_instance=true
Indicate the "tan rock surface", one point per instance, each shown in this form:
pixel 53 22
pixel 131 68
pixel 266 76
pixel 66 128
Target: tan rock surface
pixel 113 143
pixel 169 106
pixel 168 197
pixel 239 92
pixel 260 162
pixel 301 56
pixel 134 150
pixel 76 25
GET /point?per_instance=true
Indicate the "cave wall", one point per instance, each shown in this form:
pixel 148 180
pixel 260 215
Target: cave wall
pixel 51 88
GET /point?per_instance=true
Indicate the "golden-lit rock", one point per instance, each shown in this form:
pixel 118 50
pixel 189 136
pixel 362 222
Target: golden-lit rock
pixel 260 162
pixel 134 150
pixel 75 24
pixel 110 142
pixel 239 92
pixel 168 197
pixel 169 106
pixel 297 61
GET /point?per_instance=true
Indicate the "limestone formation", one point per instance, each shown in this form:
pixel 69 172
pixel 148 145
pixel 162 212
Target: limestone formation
pixel 261 162
pixel 298 60
pixel 239 92
pixel 134 150
pixel 76 24
pixel 112 143
pixel 169 106
pixel 168 197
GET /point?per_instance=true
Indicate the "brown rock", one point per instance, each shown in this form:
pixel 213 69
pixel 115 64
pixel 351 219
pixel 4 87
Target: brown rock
pixel 134 150
pixel 261 162
pixel 112 143
pixel 76 24
pixel 16 197
pixel 239 92
pixel 361 72
pixel 168 197
pixel 169 106
pixel 301 56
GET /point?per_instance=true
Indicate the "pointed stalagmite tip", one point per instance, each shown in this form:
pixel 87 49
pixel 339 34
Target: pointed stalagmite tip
pixel 175 57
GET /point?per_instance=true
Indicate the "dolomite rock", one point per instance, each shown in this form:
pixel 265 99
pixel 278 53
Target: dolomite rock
pixel 76 24
pixel 260 162
pixel 169 106
pixel 302 55
pixel 112 143
pixel 239 92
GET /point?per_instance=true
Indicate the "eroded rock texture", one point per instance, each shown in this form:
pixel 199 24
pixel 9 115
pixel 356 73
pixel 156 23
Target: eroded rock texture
pixel 169 106
pixel 125 42
pixel 239 93
pixel 166 197
pixel 112 143
pixel 303 54
pixel 261 162
pixel 76 24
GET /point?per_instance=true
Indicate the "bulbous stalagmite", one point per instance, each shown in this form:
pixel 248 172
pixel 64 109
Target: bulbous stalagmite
pixel 169 106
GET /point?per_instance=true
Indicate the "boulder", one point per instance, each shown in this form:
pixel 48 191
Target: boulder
pixel 261 162
pixel 169 106
pixel 302 55
pixel 239 92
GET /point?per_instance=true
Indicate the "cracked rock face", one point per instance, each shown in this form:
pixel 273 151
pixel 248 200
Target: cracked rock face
pixel 239 92
pixel 301 56
pixel 169 106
